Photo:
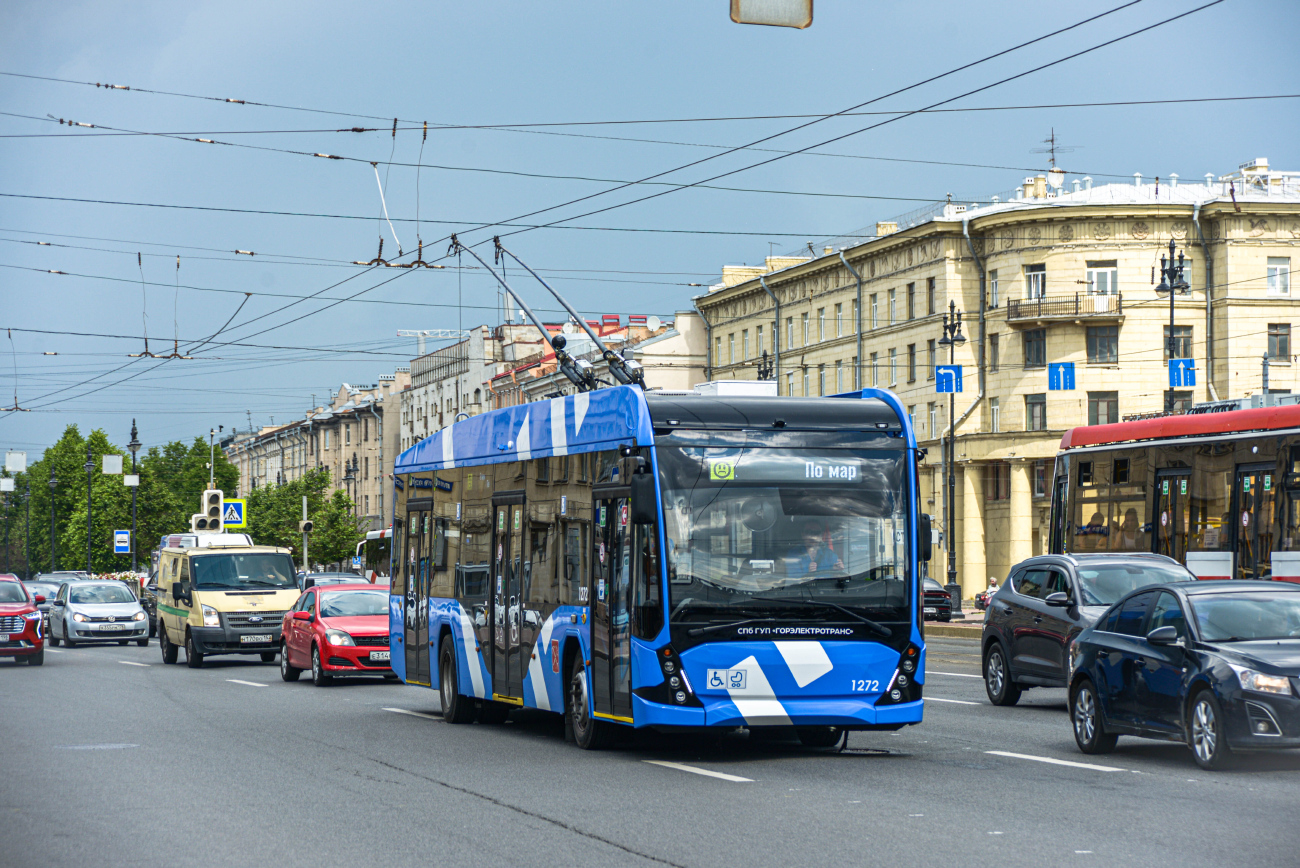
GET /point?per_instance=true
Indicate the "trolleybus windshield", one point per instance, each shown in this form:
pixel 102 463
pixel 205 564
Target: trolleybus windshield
pixel 764 532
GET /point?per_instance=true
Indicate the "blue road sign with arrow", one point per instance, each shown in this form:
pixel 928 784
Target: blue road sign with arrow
pixel 1060 377
pixel 1182 373
pixel 947 378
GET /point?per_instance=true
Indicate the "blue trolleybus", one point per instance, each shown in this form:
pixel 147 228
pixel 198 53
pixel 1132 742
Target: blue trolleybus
pixel 629 559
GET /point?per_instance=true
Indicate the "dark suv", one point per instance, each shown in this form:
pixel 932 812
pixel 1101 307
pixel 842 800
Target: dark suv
pixel 1046 602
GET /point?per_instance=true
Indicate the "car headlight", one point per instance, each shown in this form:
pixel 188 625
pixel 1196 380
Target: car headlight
pixel 33 616
pixel 1258 681
pixel 139 616
pixel 77 616
pixel 210 617
pixel 338 637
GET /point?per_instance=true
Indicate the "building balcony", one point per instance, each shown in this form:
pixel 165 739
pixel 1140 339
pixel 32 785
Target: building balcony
pixel 1076 306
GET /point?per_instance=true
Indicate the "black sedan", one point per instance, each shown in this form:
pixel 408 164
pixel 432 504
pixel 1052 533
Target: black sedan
pixel 937 602
pixel 1214 665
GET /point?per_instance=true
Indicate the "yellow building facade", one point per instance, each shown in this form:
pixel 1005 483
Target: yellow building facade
pixel 1054 274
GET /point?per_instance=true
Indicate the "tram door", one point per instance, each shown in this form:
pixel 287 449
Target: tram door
pixel 611 609
pixel 417 593
pixel 1253 516
pixel 508 663
pixel 1172 517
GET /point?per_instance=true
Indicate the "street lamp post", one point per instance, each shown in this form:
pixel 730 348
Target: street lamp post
pixel 90 470
pixel 952 338
pixel 348 479
pixel 1171 283
pixel 27 530
pixel 134 446
pixel 53 484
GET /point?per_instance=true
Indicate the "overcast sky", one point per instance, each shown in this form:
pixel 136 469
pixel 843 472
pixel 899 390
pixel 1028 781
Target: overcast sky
pixel 495 64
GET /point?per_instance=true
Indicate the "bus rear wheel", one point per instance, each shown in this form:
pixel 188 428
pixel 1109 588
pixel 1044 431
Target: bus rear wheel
pixel 819 736
pixel 456 708
pixel 588 733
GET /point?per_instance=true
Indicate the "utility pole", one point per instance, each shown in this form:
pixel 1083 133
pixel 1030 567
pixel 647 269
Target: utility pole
pixel 53 483
pixel 134 446
pixel 1172 282
pixel 27 531
pixel 90 468
pixel 304 535
pixel 952 338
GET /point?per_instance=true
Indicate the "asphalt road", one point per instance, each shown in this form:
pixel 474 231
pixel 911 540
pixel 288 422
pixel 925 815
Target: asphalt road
pixel 111 758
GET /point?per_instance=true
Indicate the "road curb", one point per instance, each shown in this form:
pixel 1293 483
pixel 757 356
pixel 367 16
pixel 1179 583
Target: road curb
pixel 962 631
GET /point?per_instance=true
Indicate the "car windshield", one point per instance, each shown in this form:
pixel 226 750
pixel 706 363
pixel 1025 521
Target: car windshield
pixel 45 590
pixel 12 592
pixel 227 571
pixel 93 594
pixel 751 527
pixel 1103 585
pixel 342 604
pixel 1243 617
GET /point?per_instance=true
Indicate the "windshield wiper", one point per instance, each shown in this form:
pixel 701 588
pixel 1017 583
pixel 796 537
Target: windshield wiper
pixel 879 628
pixel 699 631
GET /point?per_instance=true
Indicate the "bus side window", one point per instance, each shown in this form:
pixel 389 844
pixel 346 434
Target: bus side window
pixel 398 559
pixel 645 583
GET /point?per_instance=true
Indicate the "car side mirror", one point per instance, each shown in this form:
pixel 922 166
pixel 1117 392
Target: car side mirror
pixel 308 583
pixel 57 603
pixel 40 598
pixel 645 506
pixel 925 539
pixel 1059 600
pixel 1163 636
pixel 302 616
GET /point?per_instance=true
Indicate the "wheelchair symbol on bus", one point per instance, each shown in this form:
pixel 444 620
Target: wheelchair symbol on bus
pixel 726 679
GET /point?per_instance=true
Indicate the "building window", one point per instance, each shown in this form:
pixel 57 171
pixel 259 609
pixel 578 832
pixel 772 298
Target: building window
pixel 857 374
pixel 758 341
pixel 839 320
pixel 855 316
pixel 1181 402
pixel 1279 341
pixel 744 345
pixel 1279 275
pixel 1035 347
pixel 717 351
pixel 993 288
pixel 327 439
pixel 893 306
pixel 1036 412
pixel 789 332
pixel 1103 277
pixel 997 480
pixel 821 324
pixel 893 366
pixel 806 382
pixel 1040 473
pixel 929 295
pixel 347 433
pixel 932 412
pixel 911 416
pixel 839 376
pixel 911 301
pixel 1103 408
pixel 1103 344
pixel 911 363
pixel 789 383
pixel 931 357
pixel 731 348
pixel 875 371
pixel 1035 281
pixel 807 332
pixel 995 415
pixel 993 352
pixel 1182 342
pixel 367 504
pixel 875 319
pixel 821 380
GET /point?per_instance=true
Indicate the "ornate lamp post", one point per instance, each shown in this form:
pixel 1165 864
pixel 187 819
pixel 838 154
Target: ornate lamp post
pixel 952 338
pixel 134 446
pixel 1171 283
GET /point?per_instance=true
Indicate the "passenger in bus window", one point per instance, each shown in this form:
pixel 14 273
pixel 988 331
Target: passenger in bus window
pixel 1128 536
pixel 1094 534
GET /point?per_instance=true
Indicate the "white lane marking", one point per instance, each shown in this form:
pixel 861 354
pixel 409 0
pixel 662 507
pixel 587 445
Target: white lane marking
pixel 953 701
pixel 436 717
pixel 247 683
pixel 95 746
pixel 952 674
pixel 133 663
pixel 53 650
pixel 681 767
pixel 1055 762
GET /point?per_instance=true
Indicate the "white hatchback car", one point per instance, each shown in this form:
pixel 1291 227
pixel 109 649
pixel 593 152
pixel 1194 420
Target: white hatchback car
pixel 97 611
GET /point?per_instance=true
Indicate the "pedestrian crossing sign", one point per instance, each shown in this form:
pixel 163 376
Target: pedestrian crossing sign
pixel 234 515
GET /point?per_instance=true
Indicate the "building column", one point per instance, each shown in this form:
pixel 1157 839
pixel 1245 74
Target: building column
pixel 971 571
pixel 1020 523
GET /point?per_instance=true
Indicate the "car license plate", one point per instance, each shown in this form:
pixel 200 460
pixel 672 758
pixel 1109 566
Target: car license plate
pixel 255 640
pixel 930 610
pixel 112 628
pixel 378 656
pixel 4 637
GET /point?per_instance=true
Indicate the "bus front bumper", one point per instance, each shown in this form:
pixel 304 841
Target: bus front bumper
pixel 855 713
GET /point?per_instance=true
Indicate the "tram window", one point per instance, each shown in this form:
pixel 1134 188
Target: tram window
pixel 1085 473
pixel 1120 474
pixel 1211 522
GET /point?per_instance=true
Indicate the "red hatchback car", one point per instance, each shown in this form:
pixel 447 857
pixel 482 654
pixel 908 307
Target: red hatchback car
pixel 337 630
pixel 20 623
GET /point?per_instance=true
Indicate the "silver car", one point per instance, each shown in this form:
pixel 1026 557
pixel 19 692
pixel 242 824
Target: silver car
pixel 97 611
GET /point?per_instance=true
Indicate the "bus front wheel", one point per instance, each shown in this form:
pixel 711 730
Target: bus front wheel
pixel 455 707
pixel 588 733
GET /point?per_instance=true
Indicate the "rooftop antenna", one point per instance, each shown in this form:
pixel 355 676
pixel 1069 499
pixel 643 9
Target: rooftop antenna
pixel 625 370
pixel 579 371
pixel 1053 148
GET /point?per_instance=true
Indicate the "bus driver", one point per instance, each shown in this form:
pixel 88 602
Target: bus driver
pixel 814 555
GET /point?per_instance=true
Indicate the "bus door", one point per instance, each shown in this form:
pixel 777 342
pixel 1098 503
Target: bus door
pixel 417 592
pixel 508 660
pixel 610 595
pixel 1253 517
pixel 1172 513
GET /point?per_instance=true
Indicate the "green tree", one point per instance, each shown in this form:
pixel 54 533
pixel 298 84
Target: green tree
pixel 275 510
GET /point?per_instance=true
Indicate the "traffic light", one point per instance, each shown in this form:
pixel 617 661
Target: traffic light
pixel 305 526
pixel 214 507
pixel 200 522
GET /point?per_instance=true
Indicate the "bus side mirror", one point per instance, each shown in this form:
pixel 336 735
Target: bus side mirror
pixel 645 508
pixel 925 541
